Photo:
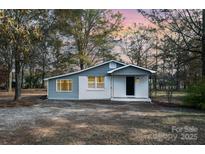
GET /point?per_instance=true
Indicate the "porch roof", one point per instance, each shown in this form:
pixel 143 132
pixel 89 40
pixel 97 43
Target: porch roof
pixel 130 70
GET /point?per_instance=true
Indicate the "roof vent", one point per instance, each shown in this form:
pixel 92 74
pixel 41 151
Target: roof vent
pixel 112 65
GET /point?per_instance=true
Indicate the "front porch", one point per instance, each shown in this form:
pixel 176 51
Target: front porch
pixel 122 89
pixel 129 83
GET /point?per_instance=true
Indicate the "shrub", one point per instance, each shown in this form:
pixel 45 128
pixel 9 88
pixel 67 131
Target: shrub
pixel 196 95
pixel 33 81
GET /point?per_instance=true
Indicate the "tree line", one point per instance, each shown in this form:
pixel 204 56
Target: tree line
pixel 173 45
pixel 54 41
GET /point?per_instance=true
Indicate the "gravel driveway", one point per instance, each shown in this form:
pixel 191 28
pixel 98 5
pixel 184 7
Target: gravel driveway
pixel 100 122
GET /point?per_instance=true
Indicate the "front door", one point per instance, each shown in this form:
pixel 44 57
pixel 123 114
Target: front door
pixel 130 85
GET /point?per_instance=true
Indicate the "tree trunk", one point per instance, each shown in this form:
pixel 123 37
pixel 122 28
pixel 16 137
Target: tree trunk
pixel 81 64
pixel 203 44
pixel 155 84
pixel 80 54
pixel 43 73
pixel 30 77
pixel 155 75
pixel 10 81
pixel 163 72
pixel 177 78
pixel 17 76
pixel 22 76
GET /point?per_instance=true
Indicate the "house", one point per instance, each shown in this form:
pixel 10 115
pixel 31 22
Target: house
pixel 111 80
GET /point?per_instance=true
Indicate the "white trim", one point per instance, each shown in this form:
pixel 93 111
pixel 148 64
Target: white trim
pixel 109 99
pixel 62 99
pixel 111 88
pixel 84 69
pixel 90 99
pixel 95 89
pixel 64 91
pixel 47 88
pixel 119 68
pixel 130 96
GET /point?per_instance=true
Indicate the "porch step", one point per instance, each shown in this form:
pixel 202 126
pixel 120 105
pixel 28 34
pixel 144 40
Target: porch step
pixel 131 99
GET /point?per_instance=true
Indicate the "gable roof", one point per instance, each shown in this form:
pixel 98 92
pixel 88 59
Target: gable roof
pixel 72 73
pixel 130 65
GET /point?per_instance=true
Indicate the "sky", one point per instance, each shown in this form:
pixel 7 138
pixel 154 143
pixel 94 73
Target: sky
pixel 131 17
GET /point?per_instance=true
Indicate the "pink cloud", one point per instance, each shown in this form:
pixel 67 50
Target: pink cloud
pixel 132 16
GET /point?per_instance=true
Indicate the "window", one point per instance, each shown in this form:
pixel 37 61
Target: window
pixel 63 85
pixel 112 65
pixel 91 82
pixel 100 82
pixel 96 82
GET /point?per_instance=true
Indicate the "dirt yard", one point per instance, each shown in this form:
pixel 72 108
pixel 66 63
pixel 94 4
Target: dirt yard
pixel 99 122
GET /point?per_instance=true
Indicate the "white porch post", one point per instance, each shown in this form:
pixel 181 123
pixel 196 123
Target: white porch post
pixel 111 87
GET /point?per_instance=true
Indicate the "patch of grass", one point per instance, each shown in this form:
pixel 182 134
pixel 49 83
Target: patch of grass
pixel 163 93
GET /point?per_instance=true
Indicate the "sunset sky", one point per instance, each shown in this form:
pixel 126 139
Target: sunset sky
pixel 132 16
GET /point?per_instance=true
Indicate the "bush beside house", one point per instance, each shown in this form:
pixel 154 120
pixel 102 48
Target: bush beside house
pixel 196 95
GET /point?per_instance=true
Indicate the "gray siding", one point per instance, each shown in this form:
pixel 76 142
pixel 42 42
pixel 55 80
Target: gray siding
pixel 130 71
pixel 52 94
pixel 98 71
